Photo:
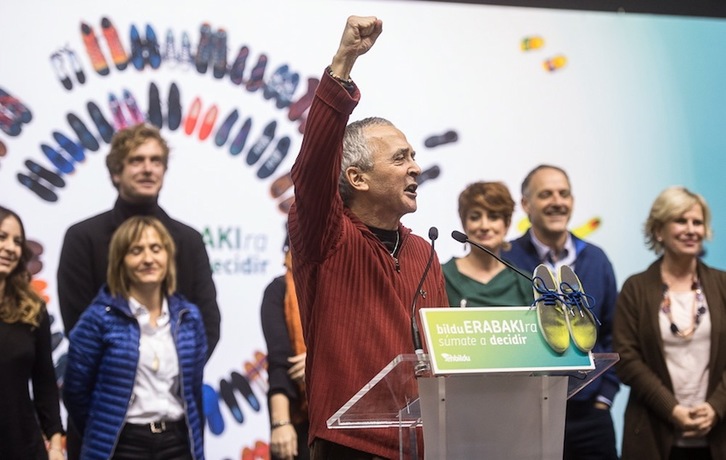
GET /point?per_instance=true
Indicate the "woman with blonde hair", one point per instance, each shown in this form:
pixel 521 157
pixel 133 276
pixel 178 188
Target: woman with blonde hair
pixel 25 342
pixel 669 329
pixel 133 384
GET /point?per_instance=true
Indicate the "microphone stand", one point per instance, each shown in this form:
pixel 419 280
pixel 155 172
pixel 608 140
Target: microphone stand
pixel 422 365
pixel 462 238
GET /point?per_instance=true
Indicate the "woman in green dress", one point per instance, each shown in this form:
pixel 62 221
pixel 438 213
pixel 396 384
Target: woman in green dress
pixel 478 279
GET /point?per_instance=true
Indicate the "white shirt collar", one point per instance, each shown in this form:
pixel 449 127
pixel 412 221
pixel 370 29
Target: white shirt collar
pixel 566 257
pixel 141 313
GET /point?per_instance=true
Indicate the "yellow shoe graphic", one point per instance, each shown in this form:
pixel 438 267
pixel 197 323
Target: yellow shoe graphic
pixel 550 311
pixel 580 320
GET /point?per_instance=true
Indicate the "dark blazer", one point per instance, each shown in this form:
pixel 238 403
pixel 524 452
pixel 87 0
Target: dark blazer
pixel 84 259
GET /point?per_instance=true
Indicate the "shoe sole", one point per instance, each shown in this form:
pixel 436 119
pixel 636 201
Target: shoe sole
pixel 61 163
pixel 297 109
pixel 137 48
pixel 223 132
pixel 259 147
pixel 45 174
pixel 243 386
pixel 60 71
pixel 74 149
pixel 119 119
pixel 236 73
pixel 155 116
pixel 270 165
pixel 133 108
pixel 90 41
pixel 431 173
pixel 258 72
pixel 191 121
pixel 152 47
pixel 226 392
pixel 118 54
pixel 208 122
pixel 441 139
pixel 102 125
pixel 87 139
pixel 238 143
pixel 280 185
pixel 285 205
pixel 174 116
pixel 210 405
pixel 36 187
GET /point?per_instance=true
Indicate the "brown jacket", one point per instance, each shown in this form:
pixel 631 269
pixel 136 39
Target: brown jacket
pixel 648 432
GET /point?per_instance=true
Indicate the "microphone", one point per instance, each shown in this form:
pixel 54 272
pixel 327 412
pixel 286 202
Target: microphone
pixel 462 238
pixel 422 365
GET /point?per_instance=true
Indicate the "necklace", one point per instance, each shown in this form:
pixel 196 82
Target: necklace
pixel 697 311
pixel 155 364
pixel 395 247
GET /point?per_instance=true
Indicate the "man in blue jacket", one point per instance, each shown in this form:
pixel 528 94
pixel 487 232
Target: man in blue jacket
pixel 547 199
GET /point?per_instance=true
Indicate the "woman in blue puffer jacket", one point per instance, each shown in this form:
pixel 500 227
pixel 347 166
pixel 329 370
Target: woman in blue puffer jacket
pixel 133 383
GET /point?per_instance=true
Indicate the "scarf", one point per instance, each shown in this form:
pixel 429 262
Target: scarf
pixel 294 329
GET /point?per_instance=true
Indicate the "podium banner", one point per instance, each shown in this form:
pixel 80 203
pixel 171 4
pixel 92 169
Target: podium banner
pixel 493 339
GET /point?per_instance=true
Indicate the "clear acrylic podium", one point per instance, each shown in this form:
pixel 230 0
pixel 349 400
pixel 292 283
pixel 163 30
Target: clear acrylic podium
pixel 468 416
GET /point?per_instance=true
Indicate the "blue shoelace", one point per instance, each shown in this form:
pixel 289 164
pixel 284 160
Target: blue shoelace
pixel 576 298
pixel 549 297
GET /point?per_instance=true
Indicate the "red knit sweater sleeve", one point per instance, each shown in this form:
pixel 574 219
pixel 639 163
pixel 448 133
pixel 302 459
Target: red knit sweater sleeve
pixel 316 213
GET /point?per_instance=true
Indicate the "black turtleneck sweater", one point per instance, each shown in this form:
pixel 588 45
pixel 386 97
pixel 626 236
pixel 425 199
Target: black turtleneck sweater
pixel 84 259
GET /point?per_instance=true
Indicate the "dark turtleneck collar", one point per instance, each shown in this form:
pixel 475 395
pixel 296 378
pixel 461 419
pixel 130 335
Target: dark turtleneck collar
pixel 389 238
pixel 123 209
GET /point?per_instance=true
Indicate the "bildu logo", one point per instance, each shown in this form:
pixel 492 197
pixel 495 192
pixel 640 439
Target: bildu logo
pixel 455 358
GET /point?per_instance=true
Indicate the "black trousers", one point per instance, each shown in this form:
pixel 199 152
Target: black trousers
pixel 589 432
pixel 73 441
pixel 139 442
pixel 326 450
pixel 685 453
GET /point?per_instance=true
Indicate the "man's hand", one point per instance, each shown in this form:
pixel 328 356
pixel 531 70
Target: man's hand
pixel 358 37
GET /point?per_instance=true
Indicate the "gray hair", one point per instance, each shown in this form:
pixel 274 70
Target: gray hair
pixel 530 175
pixel 357 152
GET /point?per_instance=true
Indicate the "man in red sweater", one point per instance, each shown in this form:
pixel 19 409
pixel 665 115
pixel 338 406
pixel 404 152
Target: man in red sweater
pixel 356 268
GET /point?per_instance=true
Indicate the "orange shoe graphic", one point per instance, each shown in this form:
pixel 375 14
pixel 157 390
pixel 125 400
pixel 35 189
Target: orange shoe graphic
pixel 555 63
pixel 280 185
pixel 191 121
pixel 286 204
pixel 254 375
pixel 584 230
pixel 531 43
pixel 209 118
pixel 98 61
pixel 118 54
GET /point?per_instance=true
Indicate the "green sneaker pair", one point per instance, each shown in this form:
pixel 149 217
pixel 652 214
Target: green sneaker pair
pixel 563 311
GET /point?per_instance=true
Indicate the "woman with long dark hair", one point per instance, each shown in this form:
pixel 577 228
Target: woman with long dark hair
pixel 27 425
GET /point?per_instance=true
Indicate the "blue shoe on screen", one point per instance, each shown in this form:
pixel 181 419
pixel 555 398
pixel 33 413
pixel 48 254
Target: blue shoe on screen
pixel 210 403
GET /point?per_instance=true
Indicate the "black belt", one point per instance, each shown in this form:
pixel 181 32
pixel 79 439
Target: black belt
pixel 161 426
